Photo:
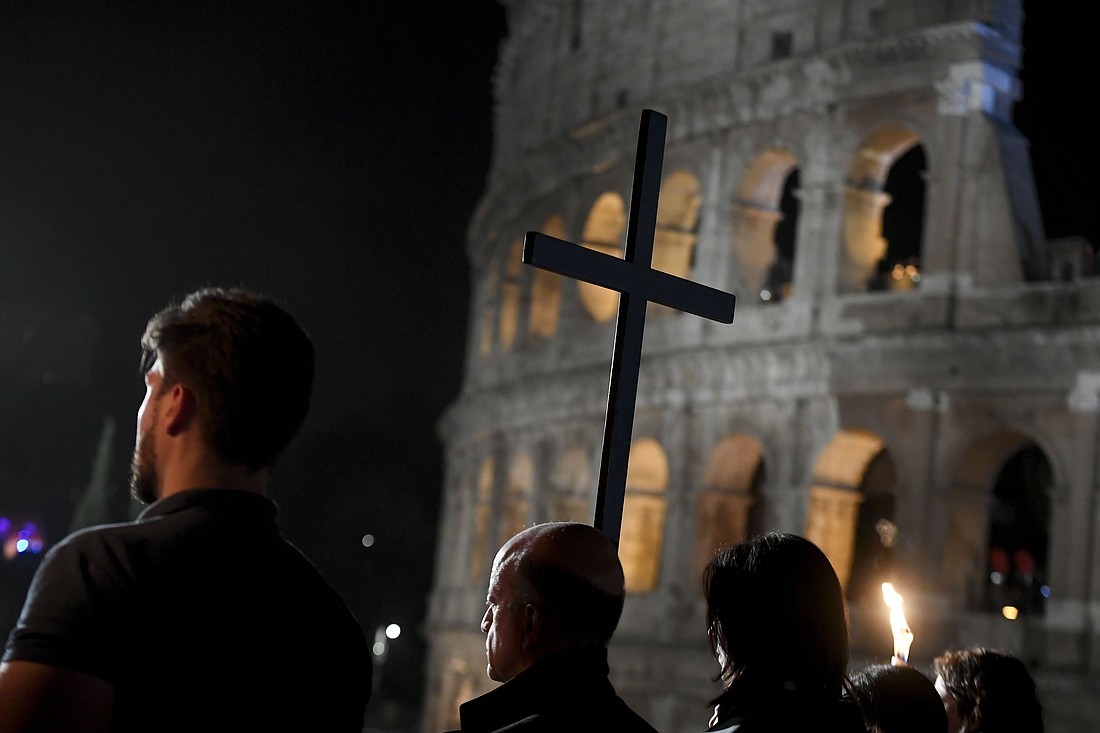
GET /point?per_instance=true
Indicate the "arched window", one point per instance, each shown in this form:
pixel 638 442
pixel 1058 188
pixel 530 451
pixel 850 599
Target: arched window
pixel 903 221
pixel 1018 534
pixel 457 687
pixel 765 220
pixel 517 496
pixel 603 232
pixel 835 496
pixel 509 294
pixel 876 533
pixel 483 503
pixel 677 223
pixel 643 528
pixel 571 485
pixel 869 261
pixel 995 553
pixel 723 515
pixel 546 290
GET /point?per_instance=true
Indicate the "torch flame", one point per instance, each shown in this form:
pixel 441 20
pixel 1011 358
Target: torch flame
pixel 903 636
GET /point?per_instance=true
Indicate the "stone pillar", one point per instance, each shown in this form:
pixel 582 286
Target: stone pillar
pixel 863 242
pixel 754 245
pixel 1073 565
pixel 712 253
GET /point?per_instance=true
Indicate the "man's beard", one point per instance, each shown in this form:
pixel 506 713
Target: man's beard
pixel 143 469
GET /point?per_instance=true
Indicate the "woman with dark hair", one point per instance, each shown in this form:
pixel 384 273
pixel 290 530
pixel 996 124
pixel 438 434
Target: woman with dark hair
pixel 897 698
pixel 778 627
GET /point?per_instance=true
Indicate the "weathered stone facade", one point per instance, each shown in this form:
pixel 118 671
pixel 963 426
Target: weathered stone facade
pixel 861 384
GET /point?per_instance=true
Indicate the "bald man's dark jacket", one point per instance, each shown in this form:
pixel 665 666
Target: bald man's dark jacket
pixel 566 692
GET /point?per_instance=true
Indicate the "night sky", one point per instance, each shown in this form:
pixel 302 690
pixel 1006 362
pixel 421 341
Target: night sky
pixel 330 155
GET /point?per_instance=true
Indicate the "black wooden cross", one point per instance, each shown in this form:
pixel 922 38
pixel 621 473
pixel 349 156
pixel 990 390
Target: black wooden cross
pixel 638 283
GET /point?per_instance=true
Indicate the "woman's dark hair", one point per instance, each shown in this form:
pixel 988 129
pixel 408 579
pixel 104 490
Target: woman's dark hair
pixel 776 618
pixel 898 699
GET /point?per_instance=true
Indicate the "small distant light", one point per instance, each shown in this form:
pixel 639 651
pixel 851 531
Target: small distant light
pixel 5 525
pixel 21 545
pixel 1045 590
pixel 379 648
pixel 393 631
pixel 368 540
pixel 1010 612
pixel 765 295
pixel 36 547
pixel 996 578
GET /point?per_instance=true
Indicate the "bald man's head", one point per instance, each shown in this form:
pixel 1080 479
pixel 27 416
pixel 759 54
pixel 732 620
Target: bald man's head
pixel 574 571
pixel 568 575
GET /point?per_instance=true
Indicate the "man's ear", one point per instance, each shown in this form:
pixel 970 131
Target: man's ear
pixel 179 409
pixel 533 625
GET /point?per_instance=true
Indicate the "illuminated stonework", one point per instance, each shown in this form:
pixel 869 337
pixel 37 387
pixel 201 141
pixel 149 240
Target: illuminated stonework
pixel 901 358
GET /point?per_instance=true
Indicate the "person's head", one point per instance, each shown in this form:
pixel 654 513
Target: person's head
pixel 776 617
pixel 988 691
pixel 897 698
pixel 553 586
pixel 247 370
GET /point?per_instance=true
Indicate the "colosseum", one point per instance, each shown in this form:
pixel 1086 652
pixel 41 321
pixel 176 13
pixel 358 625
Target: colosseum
pixel 911 379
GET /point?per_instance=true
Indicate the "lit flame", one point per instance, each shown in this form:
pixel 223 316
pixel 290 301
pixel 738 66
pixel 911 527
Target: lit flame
pixel 903 636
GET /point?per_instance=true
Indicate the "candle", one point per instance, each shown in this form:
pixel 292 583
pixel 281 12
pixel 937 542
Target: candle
pixel 903 636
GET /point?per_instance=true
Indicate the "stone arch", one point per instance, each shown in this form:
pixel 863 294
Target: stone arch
pixel 765 214
pixel 643 528
pixel 866 257
pixel 677 223
pixel 836 494
pixel 517 496
pixel 546 290
pixel 603 232
pixel 998 524
pixel 509 294
pixel 876 533
pixel 734 472
pixel 570 487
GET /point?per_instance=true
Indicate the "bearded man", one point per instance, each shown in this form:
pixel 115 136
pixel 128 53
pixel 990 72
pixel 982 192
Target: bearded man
pixel 198 615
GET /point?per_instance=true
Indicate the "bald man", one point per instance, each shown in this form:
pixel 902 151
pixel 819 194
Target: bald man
pixel 555 596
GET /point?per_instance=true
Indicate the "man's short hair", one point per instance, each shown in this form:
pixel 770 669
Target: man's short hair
pixel 995 684
pixel 248 363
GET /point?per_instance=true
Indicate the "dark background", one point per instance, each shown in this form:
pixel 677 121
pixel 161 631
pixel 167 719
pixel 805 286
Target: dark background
pixel 331 155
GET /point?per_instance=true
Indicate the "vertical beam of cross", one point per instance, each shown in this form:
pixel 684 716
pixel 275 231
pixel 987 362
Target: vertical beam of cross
pixel 637 283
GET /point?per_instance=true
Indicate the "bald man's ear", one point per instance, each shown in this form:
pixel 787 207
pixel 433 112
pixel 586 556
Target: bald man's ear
pixel 534 626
